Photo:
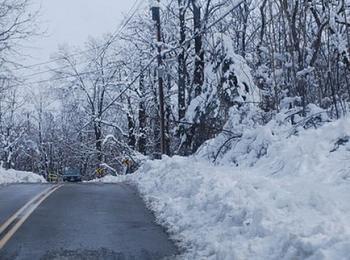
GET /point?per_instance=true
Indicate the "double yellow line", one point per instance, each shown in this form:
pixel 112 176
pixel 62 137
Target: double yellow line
pixel 9 228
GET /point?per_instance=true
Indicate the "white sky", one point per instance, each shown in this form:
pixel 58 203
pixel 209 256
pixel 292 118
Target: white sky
pixel 68 22
pixel 73 21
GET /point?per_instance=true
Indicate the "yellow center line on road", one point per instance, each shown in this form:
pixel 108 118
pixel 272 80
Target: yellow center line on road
pixel 4 226
pixel 23 214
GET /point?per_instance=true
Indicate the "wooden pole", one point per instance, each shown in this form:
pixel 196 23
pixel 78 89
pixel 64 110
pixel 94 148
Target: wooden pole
pixel 156 18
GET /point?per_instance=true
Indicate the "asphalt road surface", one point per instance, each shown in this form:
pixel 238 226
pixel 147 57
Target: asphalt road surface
pixel 81 221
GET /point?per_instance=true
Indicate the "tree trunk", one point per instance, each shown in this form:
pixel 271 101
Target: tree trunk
pixel 142 119
pixel 182 63
pixel 131 128
pixel 98 137
pixel 198 78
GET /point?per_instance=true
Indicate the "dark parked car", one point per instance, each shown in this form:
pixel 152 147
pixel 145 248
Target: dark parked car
pixel 71 174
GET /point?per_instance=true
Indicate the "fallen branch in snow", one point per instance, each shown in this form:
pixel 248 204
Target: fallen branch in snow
pixel 224 144
pixel 341 141
pixel 308 120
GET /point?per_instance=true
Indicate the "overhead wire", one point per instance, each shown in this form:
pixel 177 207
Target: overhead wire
pixel 58 78
pixel 131 13
pixel 143 69
pixel 114 37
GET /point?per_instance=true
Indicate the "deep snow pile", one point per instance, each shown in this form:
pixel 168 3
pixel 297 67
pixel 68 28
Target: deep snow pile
pixel 13 176
pixel 293 204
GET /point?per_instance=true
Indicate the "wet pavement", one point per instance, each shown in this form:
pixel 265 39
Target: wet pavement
pixel 85 221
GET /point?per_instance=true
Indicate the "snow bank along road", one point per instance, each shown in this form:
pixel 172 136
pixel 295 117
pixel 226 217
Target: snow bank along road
pixel 78 221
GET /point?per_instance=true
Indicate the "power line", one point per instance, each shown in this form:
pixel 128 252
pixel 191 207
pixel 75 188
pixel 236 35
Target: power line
pixel 58 78
pixel 136 6
pixel 113 38
pixel 143 69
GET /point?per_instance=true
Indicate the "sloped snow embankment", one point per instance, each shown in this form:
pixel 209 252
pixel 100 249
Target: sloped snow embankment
pixel 293 204
pixel 111 179
pixel 13 176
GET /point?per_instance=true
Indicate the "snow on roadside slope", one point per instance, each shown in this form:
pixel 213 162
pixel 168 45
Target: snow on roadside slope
pixel 111 179
pixel 293 204
pixel 13 176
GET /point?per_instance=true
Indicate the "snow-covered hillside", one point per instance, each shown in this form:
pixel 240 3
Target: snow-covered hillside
pixel 13 176
pixel 293 204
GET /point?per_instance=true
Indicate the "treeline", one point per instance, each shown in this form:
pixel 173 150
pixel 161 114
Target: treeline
pixel 210 56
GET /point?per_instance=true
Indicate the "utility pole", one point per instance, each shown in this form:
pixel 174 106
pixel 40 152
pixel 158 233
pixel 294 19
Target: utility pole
pixel 156 18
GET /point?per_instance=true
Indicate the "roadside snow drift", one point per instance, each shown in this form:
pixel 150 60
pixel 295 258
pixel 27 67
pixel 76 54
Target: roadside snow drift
pixel 12 176
pixel 111 179
pixel 290 203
